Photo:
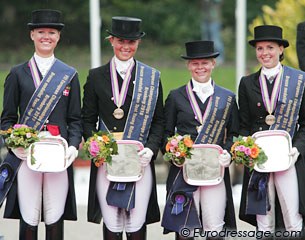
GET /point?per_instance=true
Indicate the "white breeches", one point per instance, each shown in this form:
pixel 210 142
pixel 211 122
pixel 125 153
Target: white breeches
pixel 33 187
pixel 117 219
pixel 212 200
pixel 286 185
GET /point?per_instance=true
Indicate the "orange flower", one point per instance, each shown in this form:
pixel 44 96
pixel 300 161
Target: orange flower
pixel 188 142
pixel 182 154
pixel 102 160
pixel 234 145
pixel 254 152
pixel 105 139
pixel 97 164
pixel 167 147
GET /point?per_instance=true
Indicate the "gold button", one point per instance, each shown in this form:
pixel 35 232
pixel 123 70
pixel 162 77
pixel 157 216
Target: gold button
pixel 114 128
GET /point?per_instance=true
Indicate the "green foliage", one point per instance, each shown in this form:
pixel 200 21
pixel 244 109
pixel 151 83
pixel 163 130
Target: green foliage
pixel 165 21
pixel 286 14
pixel 254 8
pixel 14 16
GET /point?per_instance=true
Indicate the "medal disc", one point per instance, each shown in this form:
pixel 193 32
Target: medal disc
pixel 118 113
pixel 270 119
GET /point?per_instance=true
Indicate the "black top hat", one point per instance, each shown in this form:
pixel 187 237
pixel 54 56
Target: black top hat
pixel 268 33
pixel 46 18
pixel 200 49
pixel 126 28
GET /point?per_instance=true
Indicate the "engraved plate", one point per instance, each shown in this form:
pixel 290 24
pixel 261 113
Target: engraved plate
pixel 126 166
pixel 277 146
pixel 48 155
pixel 203 169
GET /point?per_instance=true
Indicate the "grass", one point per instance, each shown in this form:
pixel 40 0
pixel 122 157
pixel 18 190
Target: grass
pixel 171 77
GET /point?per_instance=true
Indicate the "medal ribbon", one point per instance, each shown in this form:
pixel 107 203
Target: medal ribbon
pixel 119 96
pixel 198 114
pixel 270 103
pixel 34 72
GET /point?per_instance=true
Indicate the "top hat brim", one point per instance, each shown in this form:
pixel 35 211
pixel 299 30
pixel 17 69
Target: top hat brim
pixel 212 55
pixel 283 42
pixel 135 37
pixel 58 26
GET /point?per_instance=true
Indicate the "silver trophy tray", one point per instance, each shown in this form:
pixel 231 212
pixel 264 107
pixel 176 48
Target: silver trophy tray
pixel 277 146
pixel 126 166
pixel 48 155
pixel 203 168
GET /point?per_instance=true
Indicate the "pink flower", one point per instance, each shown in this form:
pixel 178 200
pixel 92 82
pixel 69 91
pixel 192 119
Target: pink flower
pixel 28 135
pixel 94 148
pixel 247 151
pixel 177 154
pixel 240 148
pixel 172 149
pixel 19 125
pixel 174 142
pixel 179 137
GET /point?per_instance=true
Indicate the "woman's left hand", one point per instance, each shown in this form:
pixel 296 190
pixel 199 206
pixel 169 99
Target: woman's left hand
pixel 71 154
pixel 224 158
pixel 145 156
pixel 294 153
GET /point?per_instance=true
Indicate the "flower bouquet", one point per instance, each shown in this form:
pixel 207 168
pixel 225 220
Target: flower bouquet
pixel 178 148
pixel 100 147
pixel 19 138
pixel 245 151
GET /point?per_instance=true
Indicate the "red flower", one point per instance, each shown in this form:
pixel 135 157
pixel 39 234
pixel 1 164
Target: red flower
pixel 53 129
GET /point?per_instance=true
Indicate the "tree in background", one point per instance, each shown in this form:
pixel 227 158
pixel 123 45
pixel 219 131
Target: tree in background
pixel 168 23
pixel 211 25
pixel 287 14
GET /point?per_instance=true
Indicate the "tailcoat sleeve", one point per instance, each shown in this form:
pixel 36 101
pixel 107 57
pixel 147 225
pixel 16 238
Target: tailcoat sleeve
pixel 244 109
pixel 74 125
pixel 90 106
pixel 11 99
pixel 300 45
pixel 298 140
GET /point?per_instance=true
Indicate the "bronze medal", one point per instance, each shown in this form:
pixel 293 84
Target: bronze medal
pixel 270 119
pixel 118 113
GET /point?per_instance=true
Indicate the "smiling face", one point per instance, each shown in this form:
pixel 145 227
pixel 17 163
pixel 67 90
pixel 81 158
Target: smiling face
pixel 268 53
pixel 201 69
pixel 45 41
pixel 124 49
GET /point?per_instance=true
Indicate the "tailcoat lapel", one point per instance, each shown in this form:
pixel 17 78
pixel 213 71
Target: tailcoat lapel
pixel 255 82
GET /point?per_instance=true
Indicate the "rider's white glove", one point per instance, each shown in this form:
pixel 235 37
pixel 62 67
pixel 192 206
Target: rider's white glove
pixel 145 156
pixel 294 153
pixel 71 155
pixel 224 158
